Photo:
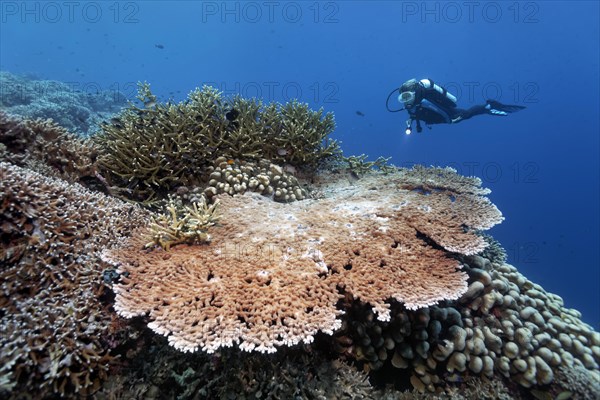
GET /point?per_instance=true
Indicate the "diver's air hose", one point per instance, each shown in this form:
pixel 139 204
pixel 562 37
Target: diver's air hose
pixel 387 101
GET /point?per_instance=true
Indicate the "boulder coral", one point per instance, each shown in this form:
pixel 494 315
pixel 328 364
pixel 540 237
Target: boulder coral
pixel 503 327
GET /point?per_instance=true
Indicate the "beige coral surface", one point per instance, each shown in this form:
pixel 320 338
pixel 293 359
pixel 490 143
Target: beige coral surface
pixel 273 273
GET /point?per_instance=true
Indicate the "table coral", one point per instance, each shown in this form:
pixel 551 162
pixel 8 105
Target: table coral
pixel 274 272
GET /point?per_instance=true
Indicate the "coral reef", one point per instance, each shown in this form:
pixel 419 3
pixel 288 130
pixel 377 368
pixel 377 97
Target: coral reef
pixel 503 327
pixel 359 166
pixel 504 337
pixel 183 224
pixel 380 286
pixel 237 177
pixel 151 151
pixel 45 147
pixel 306 372
pixel 77 109
pixel 52 323
pixel 269 277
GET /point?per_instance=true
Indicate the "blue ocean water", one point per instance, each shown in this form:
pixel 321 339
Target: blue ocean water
pixel 542 163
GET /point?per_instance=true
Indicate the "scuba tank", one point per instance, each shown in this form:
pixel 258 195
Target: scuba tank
pixel 429 84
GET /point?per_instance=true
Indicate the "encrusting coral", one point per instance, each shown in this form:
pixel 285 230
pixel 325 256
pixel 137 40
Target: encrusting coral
pixel 148 152
pixel 52 323
pixel 273 273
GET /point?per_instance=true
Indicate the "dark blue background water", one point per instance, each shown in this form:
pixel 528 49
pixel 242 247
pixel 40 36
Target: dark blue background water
pixel 542 163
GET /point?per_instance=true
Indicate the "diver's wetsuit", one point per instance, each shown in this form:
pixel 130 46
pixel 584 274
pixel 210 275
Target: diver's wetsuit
pixel 437 106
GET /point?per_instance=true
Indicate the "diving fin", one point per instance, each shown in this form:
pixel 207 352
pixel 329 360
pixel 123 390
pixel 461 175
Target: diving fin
pixel 497 108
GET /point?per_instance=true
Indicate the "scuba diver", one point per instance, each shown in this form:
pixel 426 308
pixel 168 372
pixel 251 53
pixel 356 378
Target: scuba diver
pixel 428 102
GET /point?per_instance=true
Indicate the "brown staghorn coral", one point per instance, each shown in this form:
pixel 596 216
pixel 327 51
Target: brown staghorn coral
pixel 148 152
pixel 52 322
pixel 273 273
pixel 47 148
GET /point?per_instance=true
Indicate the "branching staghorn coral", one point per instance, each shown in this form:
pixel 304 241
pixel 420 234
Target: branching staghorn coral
pixel 299 136
pixel 183 224
pixel 148 151
pixel 359 166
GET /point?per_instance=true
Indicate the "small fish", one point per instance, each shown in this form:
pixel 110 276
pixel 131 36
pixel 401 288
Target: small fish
pixel 290 168
pixel 360 113
pixel 150 104
pixel 232 114
pixel 159 46
pixel 282 152
pixel 115 120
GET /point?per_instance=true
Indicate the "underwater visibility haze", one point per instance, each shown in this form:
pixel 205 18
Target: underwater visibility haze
pixel 223 190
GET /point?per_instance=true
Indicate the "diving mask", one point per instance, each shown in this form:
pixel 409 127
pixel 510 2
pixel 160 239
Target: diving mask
pixel 407 98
